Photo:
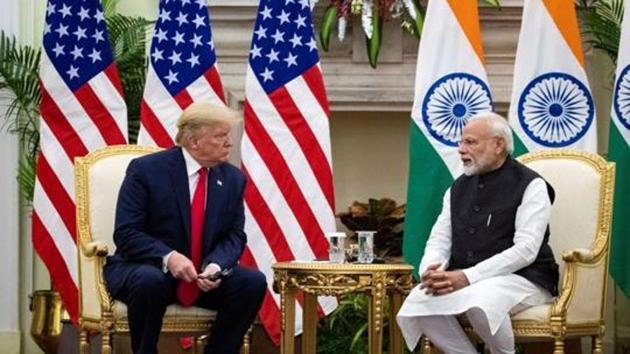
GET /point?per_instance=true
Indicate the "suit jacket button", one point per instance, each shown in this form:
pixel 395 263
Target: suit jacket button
pixel 476 208
pixel 471 230
pixel 481 186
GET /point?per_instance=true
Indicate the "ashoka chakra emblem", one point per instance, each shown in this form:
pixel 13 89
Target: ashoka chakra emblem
pixel 555 109
pixel 450 102
pixel 622 97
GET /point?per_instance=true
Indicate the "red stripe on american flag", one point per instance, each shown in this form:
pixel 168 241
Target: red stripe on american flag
pixel 153 126
pixel 63 282
pixel 57 194
pixel 112 74
pixel 183 99
pixel 284 179
pixel 315 81
pixel 269 313
pixel 212 75
pixel 100 115
pixel 304 136
pixel 266 221
pixel 60 127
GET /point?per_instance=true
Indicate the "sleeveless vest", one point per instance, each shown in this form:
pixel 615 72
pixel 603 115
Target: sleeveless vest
pixel 483 212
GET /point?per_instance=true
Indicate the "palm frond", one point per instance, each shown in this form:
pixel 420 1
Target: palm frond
pixel 109 7
pixel 601 23
pixel 19 83
pixel 128 37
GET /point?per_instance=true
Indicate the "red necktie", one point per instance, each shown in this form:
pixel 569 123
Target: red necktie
pixel 187 293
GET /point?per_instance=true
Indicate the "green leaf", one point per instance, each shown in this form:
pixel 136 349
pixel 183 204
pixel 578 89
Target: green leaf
pixel 601 25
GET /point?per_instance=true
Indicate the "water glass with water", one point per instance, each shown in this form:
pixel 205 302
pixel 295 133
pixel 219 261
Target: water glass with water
pixel 336 251
pixel 366 246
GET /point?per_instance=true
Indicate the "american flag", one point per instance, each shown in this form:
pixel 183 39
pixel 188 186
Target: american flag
pixel 289 199
pixel 182 69
pixel 82 109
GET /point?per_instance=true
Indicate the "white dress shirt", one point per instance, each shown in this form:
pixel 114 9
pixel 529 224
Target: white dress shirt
pixel 494 288
pixel 192 170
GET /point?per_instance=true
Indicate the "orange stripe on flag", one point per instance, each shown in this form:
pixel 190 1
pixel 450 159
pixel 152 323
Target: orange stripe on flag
pixel 468 17
pixel 563 14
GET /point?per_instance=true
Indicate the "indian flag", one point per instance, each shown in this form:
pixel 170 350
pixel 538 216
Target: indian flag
pixel 552 105
pixel 451 86
pixel 619 151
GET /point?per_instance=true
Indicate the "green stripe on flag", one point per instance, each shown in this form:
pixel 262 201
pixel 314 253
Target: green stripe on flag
pixel 519 147
pixel 619 152
pixel 428 179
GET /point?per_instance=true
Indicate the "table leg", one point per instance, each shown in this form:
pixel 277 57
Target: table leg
pixel 375 314
pixel 287 305
pixel 309 335
pixel 395 336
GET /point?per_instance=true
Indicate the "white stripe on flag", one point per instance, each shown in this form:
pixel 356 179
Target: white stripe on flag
pixel 110 97
pixel 290 150
pixel 163 105
pixel 69 105
pixel 57 158
pixel 56 228
pixel 313 113
pixel 201 91
pixel 278 206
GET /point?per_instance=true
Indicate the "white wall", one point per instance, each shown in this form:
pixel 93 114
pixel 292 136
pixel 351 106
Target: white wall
pixel 9 217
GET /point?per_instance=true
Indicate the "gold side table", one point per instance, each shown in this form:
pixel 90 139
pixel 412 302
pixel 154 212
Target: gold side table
pixel 324 279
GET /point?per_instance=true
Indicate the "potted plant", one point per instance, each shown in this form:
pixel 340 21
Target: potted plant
pixel 19 65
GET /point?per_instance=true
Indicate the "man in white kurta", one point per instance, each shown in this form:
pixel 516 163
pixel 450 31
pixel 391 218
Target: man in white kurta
pixel 488 290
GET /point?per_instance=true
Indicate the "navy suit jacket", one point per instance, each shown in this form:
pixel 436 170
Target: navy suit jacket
pixel 153 213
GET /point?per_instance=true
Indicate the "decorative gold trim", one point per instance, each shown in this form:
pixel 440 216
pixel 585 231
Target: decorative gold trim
pixel 96 251
pixel 556 327
pixel 84 237
pixel 322 278
pixel 344 268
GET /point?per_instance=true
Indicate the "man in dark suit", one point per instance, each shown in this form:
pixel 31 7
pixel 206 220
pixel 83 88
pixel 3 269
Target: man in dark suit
pixel 179 220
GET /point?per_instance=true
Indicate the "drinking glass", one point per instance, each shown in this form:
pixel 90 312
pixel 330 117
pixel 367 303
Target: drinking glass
pixel 366 246
pixel 336 251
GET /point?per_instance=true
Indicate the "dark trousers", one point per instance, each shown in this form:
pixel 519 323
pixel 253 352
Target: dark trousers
pixel 147 291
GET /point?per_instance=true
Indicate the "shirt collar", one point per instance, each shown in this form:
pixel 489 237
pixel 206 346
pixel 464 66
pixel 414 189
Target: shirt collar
pixel 192 166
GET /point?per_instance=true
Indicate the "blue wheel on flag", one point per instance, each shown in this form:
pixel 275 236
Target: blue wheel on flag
pixel 450 102
pixel 555 109
pixel 622 97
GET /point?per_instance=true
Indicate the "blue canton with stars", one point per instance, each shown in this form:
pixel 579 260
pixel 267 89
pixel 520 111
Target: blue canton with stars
pixel 182 49
pixel 283 46
pixel 75 39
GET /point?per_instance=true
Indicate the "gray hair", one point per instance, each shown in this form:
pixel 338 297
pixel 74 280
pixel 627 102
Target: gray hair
pixel 198 115
pixel 499 127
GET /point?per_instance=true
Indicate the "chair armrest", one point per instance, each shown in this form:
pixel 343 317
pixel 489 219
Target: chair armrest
pixel 96 249
pixel 581 255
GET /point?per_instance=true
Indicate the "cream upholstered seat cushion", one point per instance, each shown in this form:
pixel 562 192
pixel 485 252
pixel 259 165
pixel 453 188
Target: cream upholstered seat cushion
pixel 175 311
pixel 104 181
pixel 538 313
pixel 574 224
pixel 104 178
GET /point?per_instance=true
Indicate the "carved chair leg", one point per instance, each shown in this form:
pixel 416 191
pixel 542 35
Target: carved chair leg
pixel 200 344
pixel 598 347
pixel 425 346
pixel 84 342
pixel 246 342
pixel 558 345
pixel 106 342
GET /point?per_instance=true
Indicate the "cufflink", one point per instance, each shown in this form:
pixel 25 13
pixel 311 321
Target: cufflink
pixel 219 183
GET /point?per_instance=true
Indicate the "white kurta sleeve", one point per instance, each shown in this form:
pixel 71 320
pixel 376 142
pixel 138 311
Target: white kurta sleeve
pixel 438 247
pixel 532 218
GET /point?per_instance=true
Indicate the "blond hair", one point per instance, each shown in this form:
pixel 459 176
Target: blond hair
pixel 199 115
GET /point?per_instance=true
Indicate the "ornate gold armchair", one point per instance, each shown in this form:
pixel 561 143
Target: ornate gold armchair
pixel 98 177
pixel 580 232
